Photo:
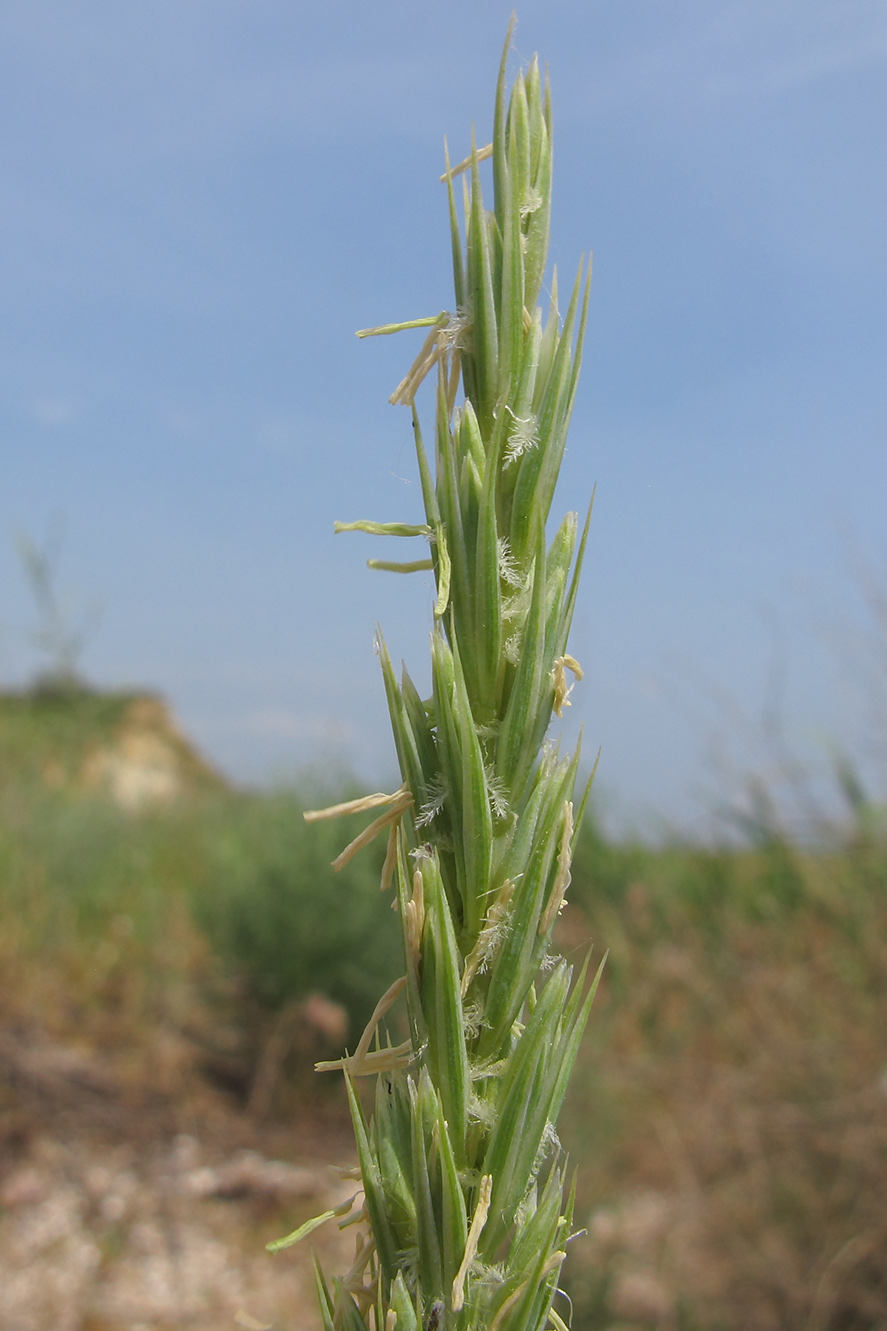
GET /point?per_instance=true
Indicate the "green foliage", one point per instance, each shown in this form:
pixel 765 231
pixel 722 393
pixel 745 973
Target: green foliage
pixel 736 1075
pixel 55 726
pixel 94 930
pixel 277 913
pixel 734 1070
pixel 81 878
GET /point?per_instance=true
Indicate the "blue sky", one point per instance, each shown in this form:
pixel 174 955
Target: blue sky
pixel 203 199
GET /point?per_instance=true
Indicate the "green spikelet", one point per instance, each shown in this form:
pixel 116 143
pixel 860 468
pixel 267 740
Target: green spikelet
pixel 463 1176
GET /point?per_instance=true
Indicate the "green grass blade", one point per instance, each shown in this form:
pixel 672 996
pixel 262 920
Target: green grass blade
pixel 500 116
pixel 393 1149
pixel 539 220
pixel 515 751
pixel 323 1298
pixel 511 296
pixel 539 468
pixel 429 494
pixel 569 1047
pixel 482 302
pixel 454 1222
pixel 476 820
pixel 488 596
pixel 523 1109
pixel 409 753
pixel 570 603
pixel 404 1306
pixel 347 1316
pixel 427 1226
pixel 447 1058
pixel 374 1194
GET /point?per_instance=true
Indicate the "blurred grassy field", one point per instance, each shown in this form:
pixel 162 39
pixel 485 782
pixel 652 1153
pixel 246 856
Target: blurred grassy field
pixel 189 923
pixel 729 1114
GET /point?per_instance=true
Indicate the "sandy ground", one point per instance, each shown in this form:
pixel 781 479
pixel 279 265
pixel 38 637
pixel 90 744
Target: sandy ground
pixel 117 1216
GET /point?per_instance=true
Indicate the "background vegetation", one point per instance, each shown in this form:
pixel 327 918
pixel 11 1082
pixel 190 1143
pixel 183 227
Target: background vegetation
pixel 729 1114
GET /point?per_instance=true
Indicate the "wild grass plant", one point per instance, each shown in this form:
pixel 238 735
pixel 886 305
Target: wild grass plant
pixel 282 920
pixel 210 916
pixel 735 1168
pixel 464 1209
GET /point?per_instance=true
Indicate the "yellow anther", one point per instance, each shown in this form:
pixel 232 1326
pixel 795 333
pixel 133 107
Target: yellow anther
pixel 481 1211
pixel 479 155
pixel 559 677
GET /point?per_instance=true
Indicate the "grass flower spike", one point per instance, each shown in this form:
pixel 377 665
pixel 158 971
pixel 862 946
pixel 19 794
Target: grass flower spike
pixel 465 1210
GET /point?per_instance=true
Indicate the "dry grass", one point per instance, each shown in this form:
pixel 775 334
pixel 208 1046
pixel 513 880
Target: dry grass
pixel 737 1173
pixel 729 1117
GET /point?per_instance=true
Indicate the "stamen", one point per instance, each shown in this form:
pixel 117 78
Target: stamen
pixel 427 358
pixel 383 528
pixel 415 919
pixel 353 806
pixel 390 858
pixel 310 1225
pixel 443 571
pixel 555 1260
pixel 384 329
pixel 390 566
pixel 479 155
pixel 447 338
pixel 355 1218
pixel 508 1305
pixel 482 1210
pixel 370 833
pixel 362 1063
pixel 347 1172
pixel 559 679
pixel 394 1058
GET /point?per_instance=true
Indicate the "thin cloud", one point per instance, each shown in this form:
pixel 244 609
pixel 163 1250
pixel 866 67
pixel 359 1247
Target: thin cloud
pixel 277 723
pixel 53 412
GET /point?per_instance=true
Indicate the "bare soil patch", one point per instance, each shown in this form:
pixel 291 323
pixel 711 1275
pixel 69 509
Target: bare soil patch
pixel 123 1212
